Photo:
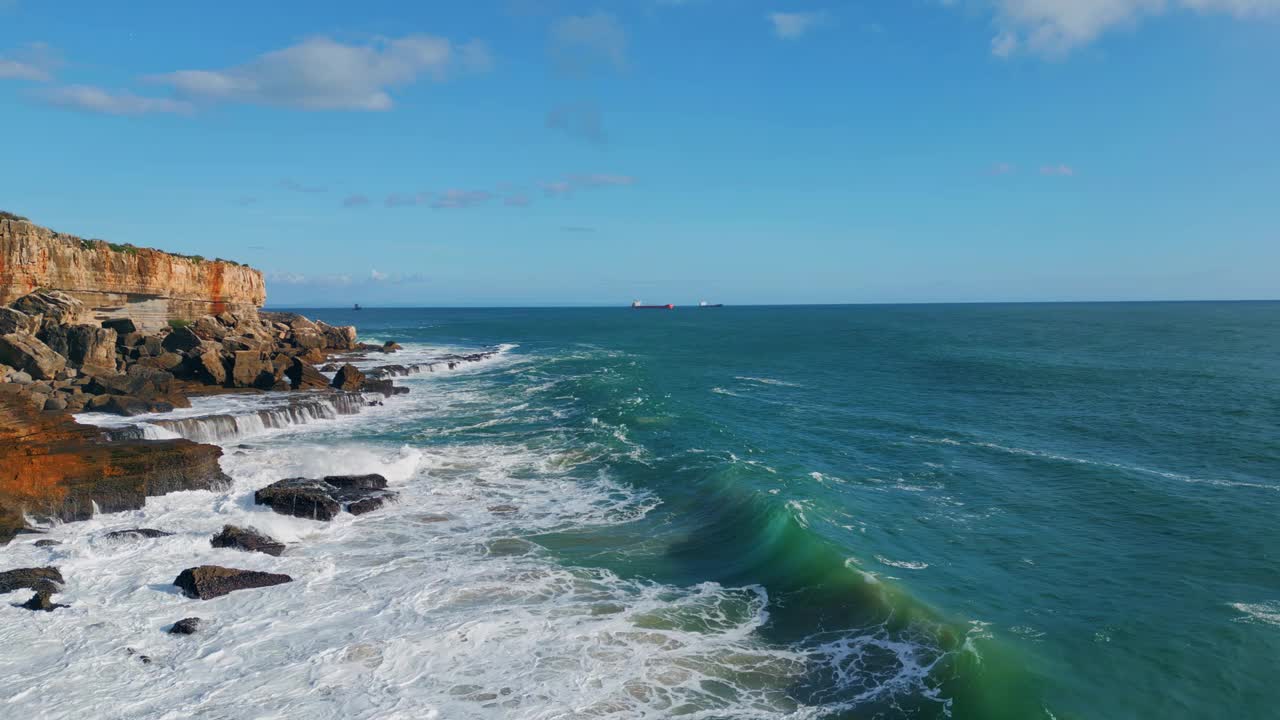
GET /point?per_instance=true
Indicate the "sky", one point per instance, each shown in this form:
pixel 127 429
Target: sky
pixel 566 152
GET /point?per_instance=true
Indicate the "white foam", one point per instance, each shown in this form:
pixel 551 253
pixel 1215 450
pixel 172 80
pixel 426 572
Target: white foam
pixel 439 606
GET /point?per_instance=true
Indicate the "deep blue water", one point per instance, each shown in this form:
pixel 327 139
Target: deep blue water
pixel 982 510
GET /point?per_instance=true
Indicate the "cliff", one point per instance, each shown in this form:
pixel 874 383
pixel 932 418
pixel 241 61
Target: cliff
pixel 147 286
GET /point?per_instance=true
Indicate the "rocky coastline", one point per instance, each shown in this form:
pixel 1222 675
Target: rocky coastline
pixel 57 360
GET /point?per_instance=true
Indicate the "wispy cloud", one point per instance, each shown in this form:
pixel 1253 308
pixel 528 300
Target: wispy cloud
pixel 578 120
pixel 296 186
pixel 99 100
pixel 516 200
pixel 579 41
pixel 1056 27
pixel 355 201
pixel 601 180
pixel 462 198
pixel 407 199
pixel 1002 168
pixel 793 25
pixel 34 61
pixel 1058 170
pixel 324 74
pixel 293 278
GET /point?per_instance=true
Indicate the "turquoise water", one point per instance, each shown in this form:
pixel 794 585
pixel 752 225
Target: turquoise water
pixel 1003 511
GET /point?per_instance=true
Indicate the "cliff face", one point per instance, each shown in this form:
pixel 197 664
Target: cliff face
pixel 53 467
pixel 148 286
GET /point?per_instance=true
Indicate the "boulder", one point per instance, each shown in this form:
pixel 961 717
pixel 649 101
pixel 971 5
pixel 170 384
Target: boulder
pixel 246 539
pixel 58 308
pixel 324 499
pixel 211 581
pixel 81 344
pixel 209 328
pixel 17 321
pixel 181 339
pixel 250 369
pixel 338 338
pixel 55 404
pixel 348 378
pixel 211 365
pixel 299 497
pixel 314 356
pixel 152 346
pixel 186 626
pixel 26 352
pixel 303 376
pixel 122 326
pixel 38 579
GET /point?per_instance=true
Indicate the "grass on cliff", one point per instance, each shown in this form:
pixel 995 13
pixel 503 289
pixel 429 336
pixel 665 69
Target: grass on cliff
pixel 10 216
pixel 127 248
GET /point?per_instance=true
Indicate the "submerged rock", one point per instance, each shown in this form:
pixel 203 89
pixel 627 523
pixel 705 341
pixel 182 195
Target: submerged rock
pixel 134 533
pixel 246 539
pixel 42 601
pixel 38 579
pixel 186 626
pixel 211 581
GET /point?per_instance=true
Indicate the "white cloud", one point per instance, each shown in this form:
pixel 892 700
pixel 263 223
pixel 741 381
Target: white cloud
pixel 1056 27
pixel 793 25
pixel 296 186
pixel 579 40
pixel 34 61
pixel 355 201
pixel 1058 170
pixel 376 276
pixel 95 99
pixel 323 74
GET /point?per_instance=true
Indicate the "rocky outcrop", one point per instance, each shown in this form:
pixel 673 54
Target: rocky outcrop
pixel 42 578
pixel 211 581
pixel 53 467
pixel 324 499
pixel 348 378
pixel 186 626
pixel 246 539
pixel 149 286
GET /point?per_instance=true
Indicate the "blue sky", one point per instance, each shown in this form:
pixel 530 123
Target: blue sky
pixel 532 152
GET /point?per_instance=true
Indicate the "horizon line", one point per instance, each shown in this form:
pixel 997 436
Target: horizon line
pixel 589 306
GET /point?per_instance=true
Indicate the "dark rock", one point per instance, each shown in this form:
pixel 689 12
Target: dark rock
pixel 349 378
pixel 46 543
pixel 390 347
pixel 122 326
pixel 12 321
pixel 144 659
pixel 38 579
pixel 55 403
pixel 324 499
pixel 129 340
pixel 247 539
pixel 211 581
pixel 125 405
pixel 305 377
pixel 329 368
pixel 181 339
pixel 27 353
pixel 186 626
pixel 386 388
pixel 300 497
pixel 81 344
pixel 42 602
pixel 134 533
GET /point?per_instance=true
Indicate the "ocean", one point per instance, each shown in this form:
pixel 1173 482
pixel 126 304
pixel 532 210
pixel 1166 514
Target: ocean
pixel 969 511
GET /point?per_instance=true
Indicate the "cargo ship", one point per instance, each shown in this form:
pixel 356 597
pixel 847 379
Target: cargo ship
pixel 637 305
pixel 705 304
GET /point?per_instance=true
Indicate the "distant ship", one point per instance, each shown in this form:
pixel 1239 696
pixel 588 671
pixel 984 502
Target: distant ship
pixel 357 307
pixel 637 305
pixel 705 304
